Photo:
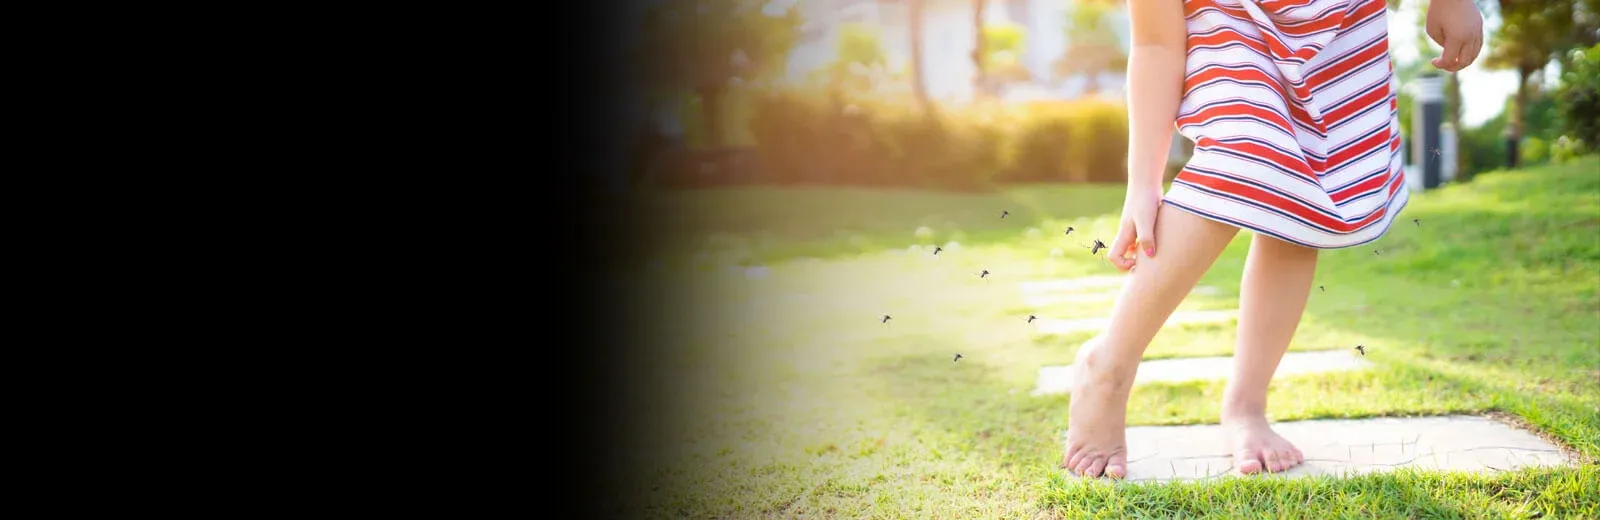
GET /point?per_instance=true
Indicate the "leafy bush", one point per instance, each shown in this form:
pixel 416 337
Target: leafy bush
pixel 1039 151
pixel 811 138
pixel 1565 149
pixel 1103 154
pixel 1579 98
pixel 1534 151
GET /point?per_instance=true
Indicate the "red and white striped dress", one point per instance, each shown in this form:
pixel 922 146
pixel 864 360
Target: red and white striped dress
pixel 1291 106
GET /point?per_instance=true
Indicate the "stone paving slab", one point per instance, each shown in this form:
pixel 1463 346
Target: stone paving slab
pixel 1086 283
pixel 1058 379
pixel 1343 447
pixel 1058 326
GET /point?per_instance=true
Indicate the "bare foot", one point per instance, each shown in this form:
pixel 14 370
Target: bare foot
pixel 1097 417
pixel 1257 447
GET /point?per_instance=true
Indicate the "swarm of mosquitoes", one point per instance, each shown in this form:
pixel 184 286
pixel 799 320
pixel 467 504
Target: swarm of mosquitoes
pixel 1097 245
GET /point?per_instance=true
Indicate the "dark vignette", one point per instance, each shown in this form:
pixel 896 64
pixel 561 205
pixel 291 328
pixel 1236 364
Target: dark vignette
pixel 607 237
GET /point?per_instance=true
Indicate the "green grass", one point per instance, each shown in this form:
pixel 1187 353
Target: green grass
pixel 784 395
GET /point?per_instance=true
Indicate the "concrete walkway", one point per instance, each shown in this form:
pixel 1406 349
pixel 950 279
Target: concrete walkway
pixel 1346 447
pixel 1058 379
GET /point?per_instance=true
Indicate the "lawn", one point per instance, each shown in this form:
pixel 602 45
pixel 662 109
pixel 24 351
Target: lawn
pixel 772 387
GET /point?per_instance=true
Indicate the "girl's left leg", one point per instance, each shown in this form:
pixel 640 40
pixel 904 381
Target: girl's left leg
pixel 1272 296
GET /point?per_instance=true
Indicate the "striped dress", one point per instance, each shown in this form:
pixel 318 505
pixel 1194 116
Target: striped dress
pixel 1291 106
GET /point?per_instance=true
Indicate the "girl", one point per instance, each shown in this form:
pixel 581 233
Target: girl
pixel 1291 107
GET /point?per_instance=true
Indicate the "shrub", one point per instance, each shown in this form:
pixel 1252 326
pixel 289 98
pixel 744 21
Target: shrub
pixel 1104 156
pixel 810 138
pixel 1040 149
pixel 1565 149
pixel 1080 141
pixel 1534 151
pixel 1579 98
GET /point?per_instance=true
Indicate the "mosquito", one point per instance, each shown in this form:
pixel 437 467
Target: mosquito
pixel 1361 349
pixel 1069 230
pixel 937 249
pixel 1003 213
pixel 1324 289
pixel 958 358
pixel 1095 249
pixel 1417 221
pixel 1031 318
pixel 985 274
pixel 886 318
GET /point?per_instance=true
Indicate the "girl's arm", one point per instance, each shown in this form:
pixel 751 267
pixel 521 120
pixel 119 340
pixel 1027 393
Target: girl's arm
pixel 1155 87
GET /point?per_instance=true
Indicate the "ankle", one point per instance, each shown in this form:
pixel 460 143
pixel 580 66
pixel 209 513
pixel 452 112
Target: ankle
pixel 1105 370
pixel 1235 409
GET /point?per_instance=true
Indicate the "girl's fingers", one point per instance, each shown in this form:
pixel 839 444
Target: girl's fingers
pixel 1473 46
pixel 1120 246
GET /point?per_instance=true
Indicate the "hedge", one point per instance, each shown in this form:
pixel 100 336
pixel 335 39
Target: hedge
pixel 811 139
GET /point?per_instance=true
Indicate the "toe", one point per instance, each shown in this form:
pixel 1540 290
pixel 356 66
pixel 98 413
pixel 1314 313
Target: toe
pixel 1082 467
pixel 1066 460
pixel 1097 467
pixel 1117 467
pixel 1249 462
pixel 1273 463
pixel 1290 458
pixel 1077 459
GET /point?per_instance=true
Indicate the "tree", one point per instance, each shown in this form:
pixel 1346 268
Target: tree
pixel 979 78
pixel 1092 44
pixel 1002 57
pixel 1579 97
pixel 918 86
pixel 859 49
pixel 1531 34
pixel 700 47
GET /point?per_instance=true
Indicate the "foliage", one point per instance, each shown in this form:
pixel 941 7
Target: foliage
pixel 694 44
pixel 860 58
pixel 1483 147
pixel 1579 98
pixel 1003 45
pixel 1534 151
pixel 1531 33
pixel 1566 149
pixel 1093 47
pixel 703 47
pixel 811 139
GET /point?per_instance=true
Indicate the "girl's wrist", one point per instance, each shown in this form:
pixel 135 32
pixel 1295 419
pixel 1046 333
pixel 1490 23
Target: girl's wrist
pixel 1145 181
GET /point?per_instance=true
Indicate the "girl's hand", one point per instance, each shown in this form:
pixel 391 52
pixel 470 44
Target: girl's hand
pixel 1137 231
pixel 1456 26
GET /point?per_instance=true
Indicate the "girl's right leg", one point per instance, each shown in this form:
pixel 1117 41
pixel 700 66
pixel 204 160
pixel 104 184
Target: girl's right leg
pixel 1187 245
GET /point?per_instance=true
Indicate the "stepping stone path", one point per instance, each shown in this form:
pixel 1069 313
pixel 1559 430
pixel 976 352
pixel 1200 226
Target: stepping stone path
pixel 1054 326
pixel 1332 447
pixel 1091 289
pixel 1058 379
pixel 1344 447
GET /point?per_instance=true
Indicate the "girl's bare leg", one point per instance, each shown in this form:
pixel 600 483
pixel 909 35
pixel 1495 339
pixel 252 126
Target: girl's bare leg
pixel 1272 296
pixel 1105 366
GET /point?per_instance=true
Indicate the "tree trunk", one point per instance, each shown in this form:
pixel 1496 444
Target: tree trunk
pixel 1519 107
pixel 979 80
pixel 914 11
pixel 711 112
